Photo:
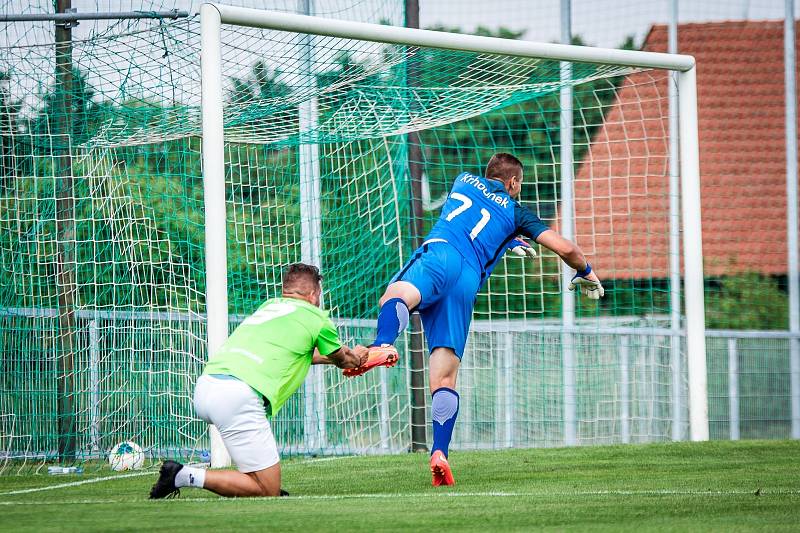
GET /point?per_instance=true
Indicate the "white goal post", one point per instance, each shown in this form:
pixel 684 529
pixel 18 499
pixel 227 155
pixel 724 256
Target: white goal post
pixel 214 15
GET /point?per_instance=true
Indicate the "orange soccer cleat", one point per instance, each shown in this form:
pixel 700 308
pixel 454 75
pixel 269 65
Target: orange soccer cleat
pixel 440 469
pixel 383 355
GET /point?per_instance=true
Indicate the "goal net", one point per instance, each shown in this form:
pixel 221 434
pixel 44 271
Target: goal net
pixel 337 151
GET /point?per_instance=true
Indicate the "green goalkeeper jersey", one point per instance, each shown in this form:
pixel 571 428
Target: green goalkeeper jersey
pixel 272 349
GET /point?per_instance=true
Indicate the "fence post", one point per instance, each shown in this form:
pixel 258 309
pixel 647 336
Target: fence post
pixel 733 388
pixel 416 347
pixel 508 381
pixel 94 386
pixel 384 409
pixel 314 417
pixel 625 392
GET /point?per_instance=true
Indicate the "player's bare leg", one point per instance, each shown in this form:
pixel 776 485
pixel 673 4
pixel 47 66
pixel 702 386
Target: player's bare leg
pixel 265 482
pixel 443 366
pixel 231 483
pixel 398 298
pixel 444 410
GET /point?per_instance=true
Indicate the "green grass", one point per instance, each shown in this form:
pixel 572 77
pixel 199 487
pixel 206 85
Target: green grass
pixel 721 486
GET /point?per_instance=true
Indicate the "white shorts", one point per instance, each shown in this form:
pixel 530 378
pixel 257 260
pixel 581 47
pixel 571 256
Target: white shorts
pixel 239 414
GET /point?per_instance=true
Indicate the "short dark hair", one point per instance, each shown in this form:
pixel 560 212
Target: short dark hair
pixel 503 166
pixel 301 278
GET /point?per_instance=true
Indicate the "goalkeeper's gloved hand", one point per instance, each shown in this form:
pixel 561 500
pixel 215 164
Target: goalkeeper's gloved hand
pixel 521 248
pixel 587 283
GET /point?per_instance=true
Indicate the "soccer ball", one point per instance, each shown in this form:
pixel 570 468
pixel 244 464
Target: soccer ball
pixel 126 456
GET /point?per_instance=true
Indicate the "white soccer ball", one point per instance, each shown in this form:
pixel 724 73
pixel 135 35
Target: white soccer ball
pixel 126 456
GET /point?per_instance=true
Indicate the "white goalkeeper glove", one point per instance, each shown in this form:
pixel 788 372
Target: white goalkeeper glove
pixel 591 288
pixel 522 248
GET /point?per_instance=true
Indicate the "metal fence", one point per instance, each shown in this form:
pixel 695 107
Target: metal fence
pixel 135 372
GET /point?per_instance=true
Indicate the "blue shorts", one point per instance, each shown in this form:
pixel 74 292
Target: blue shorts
pixel 448 286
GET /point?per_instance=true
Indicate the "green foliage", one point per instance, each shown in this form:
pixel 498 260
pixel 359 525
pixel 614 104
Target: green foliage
pixel 746 301
pixel 263 84
pixel 83 115
pixel 25 140
pixel 10 129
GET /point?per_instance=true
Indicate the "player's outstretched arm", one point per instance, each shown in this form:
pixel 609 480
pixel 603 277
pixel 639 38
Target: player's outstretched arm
pixel 344 357
pixel 568 251
pixel 585 279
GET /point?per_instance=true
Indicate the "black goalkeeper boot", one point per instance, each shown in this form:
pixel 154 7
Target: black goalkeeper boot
pixel 165 486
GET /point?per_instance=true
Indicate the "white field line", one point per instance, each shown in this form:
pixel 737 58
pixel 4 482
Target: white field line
pixel 323 459
pixel 541 494
pixel 76 483
pixel 136 474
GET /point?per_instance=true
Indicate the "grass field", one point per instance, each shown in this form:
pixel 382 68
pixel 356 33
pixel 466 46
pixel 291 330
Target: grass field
pixel 742 486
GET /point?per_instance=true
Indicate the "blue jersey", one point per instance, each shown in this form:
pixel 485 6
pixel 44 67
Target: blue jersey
pixel 479 219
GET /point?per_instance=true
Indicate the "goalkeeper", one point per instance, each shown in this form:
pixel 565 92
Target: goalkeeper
pixel 255 371
pixel 479 221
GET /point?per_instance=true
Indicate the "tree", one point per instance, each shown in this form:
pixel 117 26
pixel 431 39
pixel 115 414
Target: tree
pixel 14 159
pixel 9 126
pixel 746 301
pixel 263 84
pixel 84 114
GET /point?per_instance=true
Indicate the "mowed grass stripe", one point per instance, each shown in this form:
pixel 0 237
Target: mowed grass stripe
pixel 280 501
pixel 743 486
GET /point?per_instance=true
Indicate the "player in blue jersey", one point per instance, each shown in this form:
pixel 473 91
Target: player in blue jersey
pixel 479 221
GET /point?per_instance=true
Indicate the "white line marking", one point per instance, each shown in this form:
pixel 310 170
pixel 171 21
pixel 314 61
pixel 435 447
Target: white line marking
pixel 76 483
pixel 148 472
pixel 323 459
pixel 522 494
pixel 143 473
pixel 543 494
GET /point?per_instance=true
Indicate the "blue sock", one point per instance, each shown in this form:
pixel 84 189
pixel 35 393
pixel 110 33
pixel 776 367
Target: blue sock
pixel 444 410
pixel 392 319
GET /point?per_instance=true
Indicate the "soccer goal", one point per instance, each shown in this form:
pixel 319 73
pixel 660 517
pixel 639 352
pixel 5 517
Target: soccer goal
pixel 349 124
pixel 141 221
